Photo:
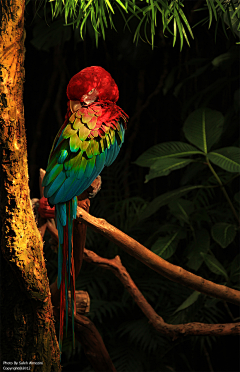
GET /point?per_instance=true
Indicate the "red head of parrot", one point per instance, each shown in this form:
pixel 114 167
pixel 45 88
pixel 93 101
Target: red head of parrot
pixel 92 83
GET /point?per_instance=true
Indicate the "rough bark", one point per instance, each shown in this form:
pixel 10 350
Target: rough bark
pixel 27 323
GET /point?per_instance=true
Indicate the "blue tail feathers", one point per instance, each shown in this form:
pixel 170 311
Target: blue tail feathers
pixel 65 214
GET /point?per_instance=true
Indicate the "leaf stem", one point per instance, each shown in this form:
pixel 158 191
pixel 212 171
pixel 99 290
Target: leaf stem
pixel 223 190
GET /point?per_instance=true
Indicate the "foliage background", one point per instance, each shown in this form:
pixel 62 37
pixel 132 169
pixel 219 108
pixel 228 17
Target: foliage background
pixel 169 84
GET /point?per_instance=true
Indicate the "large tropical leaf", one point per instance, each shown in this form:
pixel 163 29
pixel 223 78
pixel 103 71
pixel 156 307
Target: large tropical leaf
pixel 227 59
pixel 102 308
pixel 162 167
pixel 189 301
pixel 228 158
pixel 200 244
pixel 142 334
pixel 203 128
pixel 214 265
pixel 223 233
pixel 164 199
pixel 126 357
pixel 166 150
pixel 235 269
pixel 166 246
pixel 181 208
pixel 237 197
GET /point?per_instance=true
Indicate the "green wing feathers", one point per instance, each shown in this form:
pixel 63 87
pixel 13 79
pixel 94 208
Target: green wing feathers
pixel 88 133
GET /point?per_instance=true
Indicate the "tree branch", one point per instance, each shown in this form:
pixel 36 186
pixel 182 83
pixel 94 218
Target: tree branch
pixel 157 322
pixel 168 270
pixel 93 345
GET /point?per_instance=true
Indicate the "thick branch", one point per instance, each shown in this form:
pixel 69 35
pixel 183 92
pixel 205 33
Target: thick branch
pixel 168 270
pixel 158 323
pixel 93 344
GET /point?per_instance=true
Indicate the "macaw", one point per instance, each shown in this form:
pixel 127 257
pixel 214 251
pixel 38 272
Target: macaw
pixel 89 140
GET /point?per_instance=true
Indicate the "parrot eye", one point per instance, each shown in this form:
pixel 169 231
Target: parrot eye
pixel 90 97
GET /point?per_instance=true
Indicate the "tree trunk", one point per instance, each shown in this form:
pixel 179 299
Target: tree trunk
pixel 27 325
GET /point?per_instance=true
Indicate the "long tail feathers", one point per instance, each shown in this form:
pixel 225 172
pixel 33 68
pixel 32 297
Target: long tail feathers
pixel 73 299
pixel 66 272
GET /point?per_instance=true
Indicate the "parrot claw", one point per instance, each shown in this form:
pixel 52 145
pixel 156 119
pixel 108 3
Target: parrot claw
pixel 95 187
pixel 45 209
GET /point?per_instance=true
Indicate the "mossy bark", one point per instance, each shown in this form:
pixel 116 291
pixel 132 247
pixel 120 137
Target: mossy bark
pixel 27 323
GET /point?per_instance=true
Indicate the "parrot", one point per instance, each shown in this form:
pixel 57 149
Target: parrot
pixel 89 139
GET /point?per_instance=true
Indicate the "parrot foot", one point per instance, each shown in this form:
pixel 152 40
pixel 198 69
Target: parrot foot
pixel 95 187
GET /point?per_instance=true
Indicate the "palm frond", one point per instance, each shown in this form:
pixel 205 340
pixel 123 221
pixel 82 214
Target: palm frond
pixel 101 12
pixel 143 335
pixel 127 358
pixel 101 309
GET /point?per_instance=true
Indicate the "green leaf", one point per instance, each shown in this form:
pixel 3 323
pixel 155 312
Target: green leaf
pixel 189 301
pixel 169 81
pixel 214 265
pixel 181 208
pixel 88 4
pixel 237 197
pixel 166 246
pixel 200 244
pixel 225 60
pixel 220 5
pixel 166 150
pixel 235 269
pixel 223 233
pixel 186 21
pixel 174 31
pixel 201 214
pixel 109 4
pixel 180 27
pixel 228 158
pixel 217 61
pixel 163 167
pixel 164 199
pixel 203 128
pixel 120 3
pixel 211 3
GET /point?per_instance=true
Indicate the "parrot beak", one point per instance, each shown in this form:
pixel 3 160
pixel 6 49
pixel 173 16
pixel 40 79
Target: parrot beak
pixel 75 105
